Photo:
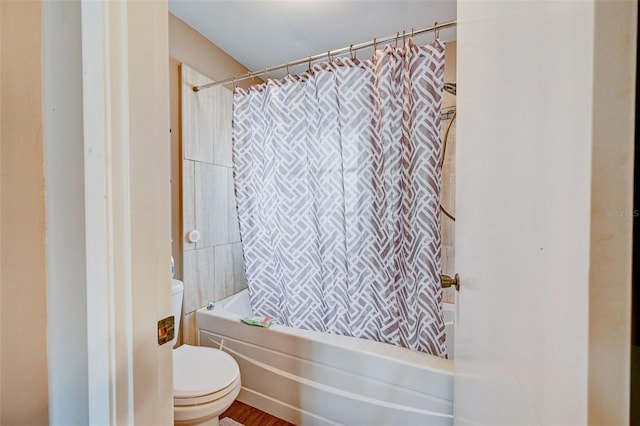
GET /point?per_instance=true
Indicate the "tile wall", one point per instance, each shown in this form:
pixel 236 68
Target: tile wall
pixel 212 266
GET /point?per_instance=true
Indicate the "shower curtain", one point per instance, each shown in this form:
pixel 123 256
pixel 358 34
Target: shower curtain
pixel 337 180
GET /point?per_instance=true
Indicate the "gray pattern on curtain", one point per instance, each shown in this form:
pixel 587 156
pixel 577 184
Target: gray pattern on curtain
pixel 337 180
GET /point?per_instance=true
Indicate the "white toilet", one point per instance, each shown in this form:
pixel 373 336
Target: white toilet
pixel 206 381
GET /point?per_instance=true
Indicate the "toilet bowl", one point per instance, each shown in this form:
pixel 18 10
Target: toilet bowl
pixel 206 381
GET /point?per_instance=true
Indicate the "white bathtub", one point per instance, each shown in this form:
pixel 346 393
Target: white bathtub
pixel 307 377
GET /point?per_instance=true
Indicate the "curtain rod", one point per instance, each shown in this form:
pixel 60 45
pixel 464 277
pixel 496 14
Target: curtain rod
pixel 436 27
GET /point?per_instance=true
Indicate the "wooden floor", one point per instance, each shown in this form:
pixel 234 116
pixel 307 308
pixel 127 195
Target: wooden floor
pixel 250 416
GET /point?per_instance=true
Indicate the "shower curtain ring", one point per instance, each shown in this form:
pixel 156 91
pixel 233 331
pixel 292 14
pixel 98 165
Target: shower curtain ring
pixel 309 65
pixel 351 51
pixel 397 37
pixel 329 55
pixel 234 83
pixel 288 73
pixel 404 42
pixel 375 45
pixel 411 32
pixel 436 31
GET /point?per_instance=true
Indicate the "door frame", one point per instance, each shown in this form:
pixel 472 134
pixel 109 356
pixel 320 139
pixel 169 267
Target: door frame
pixel 126 201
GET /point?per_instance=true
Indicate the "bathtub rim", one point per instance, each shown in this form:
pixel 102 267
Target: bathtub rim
pixel 370 347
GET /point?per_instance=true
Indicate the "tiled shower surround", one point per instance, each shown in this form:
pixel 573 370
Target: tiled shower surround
pixel 212 266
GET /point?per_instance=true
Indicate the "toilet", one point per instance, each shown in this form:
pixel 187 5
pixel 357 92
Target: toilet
pixel 206 381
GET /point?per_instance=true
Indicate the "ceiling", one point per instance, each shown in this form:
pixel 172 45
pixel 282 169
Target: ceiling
pixel 265 33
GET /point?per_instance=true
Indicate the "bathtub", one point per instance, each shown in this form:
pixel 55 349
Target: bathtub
pixel 308 377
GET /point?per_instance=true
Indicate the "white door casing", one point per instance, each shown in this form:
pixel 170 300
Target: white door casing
pixel 125 142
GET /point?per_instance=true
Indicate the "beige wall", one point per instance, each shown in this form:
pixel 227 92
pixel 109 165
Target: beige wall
pixel 23 310
pixel 546 137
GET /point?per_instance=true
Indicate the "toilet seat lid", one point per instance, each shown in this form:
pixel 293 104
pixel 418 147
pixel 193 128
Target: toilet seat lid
pixel 198 370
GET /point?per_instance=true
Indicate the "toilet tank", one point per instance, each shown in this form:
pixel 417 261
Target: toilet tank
pixel 177 290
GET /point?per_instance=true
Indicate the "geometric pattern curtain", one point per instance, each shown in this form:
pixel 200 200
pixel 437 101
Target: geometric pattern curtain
pixel 337 179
